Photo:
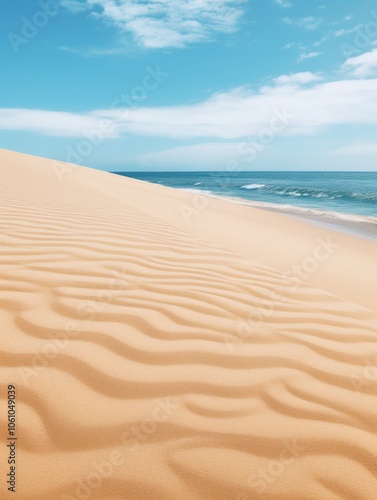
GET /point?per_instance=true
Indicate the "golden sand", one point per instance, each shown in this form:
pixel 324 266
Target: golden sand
pixel 167 347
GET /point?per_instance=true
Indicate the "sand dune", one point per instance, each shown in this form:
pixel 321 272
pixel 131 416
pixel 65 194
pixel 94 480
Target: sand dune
pixel 160 358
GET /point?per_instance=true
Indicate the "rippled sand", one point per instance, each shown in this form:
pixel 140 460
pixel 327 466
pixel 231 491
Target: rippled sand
pixel 161 355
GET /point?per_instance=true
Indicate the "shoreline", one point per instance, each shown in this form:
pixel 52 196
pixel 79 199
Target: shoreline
pixel 354 224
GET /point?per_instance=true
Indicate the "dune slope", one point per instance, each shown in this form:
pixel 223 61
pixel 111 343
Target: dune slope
pixel 152 360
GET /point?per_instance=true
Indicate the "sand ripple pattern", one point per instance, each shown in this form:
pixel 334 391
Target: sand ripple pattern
pixel 126 334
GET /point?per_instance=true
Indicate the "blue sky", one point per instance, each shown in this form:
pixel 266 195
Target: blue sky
pixel 191 84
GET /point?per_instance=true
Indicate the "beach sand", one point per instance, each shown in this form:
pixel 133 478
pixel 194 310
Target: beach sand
pixel 167 346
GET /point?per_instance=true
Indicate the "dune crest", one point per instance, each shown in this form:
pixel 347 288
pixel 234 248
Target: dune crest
pixel 155 360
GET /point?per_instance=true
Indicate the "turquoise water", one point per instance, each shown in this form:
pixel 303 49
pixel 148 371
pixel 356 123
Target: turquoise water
pixel 344 192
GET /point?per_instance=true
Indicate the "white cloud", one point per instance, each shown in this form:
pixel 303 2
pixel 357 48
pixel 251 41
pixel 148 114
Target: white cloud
pixel 297 78
pixel 284 3
pixel 243 112
pixel 358 150
pixel 301 102
pixel 362 65
pixel 55 123
pixel 308 55
pixel 308 23
pixel 159 24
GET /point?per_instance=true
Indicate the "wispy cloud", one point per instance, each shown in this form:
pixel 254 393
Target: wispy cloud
pixel 347 31
pixel 74 6
pixel 363 65
pixel 308 55
pixel 156 24
pixel 93 52
pixel 336 34
pixel 308 23
pixel 289 45
pixel 284 3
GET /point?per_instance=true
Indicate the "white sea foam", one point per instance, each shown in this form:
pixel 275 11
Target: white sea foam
pixel 294 193
pixel 253 186
pixel 197 191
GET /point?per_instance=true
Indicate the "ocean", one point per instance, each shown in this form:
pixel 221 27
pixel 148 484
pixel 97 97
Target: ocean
pixel 350 195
